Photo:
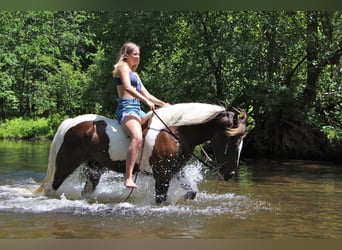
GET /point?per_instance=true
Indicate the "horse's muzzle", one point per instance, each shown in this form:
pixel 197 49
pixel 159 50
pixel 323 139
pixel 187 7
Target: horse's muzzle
pixel 228 176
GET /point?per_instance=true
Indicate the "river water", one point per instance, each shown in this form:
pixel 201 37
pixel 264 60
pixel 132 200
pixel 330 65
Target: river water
pixel 269 199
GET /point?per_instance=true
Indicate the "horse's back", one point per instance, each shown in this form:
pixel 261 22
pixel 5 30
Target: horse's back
pixel 69 123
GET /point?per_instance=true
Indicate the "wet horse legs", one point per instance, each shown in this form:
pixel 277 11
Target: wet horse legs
pixel 93 173
pixel 161 189
pixel 190 191
pixel 162 184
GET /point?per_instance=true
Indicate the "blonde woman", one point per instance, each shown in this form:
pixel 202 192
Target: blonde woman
pixel 131 91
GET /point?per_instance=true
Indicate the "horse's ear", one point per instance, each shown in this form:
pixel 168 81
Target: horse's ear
pixel 240 124
pixel 240 116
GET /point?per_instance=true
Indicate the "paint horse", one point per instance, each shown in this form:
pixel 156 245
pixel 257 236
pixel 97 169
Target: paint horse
pixel 170 136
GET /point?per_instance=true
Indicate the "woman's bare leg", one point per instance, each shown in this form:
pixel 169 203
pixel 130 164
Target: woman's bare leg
pixel 132 126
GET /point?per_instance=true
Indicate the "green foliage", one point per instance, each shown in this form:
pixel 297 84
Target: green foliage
pixel 99 92
pixel 37 49
pixel 282 66
pixel 24 128
pixel 332 132
pixel 20 128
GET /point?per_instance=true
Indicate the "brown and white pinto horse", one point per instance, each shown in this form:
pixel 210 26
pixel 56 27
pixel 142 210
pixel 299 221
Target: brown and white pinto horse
pixel 101 143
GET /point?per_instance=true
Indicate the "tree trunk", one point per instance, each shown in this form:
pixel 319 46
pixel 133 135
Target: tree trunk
pixel 216 67
pixel 312 46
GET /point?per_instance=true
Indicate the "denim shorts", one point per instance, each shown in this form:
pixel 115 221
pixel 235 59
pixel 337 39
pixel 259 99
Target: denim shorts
pixel 128 106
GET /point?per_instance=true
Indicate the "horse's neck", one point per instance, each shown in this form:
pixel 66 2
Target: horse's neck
pixel 195 134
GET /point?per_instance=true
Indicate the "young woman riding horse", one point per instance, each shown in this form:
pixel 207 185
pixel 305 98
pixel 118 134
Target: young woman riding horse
pixel 131 91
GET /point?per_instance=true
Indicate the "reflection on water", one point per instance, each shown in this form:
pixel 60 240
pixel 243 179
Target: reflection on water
pixel 269 199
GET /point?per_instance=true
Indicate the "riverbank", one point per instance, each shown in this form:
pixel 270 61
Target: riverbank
pixel 30 128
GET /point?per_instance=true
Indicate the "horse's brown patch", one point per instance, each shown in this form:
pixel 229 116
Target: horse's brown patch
pixel 166 147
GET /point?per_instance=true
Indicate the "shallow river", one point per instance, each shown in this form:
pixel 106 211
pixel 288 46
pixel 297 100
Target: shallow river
pixel 269 199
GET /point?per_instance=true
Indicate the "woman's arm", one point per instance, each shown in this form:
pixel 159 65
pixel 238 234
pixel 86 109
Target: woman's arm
pixel 149 96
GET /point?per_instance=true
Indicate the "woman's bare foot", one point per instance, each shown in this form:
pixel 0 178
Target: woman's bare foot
pixel 129 183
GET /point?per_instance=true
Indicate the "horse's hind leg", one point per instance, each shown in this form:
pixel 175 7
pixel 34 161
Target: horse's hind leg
pixel 190 194
pixel 64 168
pixel 94 172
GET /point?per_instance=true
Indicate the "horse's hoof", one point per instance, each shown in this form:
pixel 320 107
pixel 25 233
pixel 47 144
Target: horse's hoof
pixel 190 195
pixel 161 200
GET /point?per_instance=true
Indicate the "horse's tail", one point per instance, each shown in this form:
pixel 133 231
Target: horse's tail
pixel 54 147
pixel 50 172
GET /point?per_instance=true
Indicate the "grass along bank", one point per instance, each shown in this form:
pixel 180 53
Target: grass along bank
pixel 33 128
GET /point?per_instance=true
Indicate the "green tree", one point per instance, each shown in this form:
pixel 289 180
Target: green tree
pixel 34 47
pixel 287 121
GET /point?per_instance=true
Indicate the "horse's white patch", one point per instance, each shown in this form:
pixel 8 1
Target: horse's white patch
pixel 119 143
pixel 148 146
pixel 118 140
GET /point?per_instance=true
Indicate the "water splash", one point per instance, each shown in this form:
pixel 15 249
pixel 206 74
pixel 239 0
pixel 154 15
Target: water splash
pixel 109 197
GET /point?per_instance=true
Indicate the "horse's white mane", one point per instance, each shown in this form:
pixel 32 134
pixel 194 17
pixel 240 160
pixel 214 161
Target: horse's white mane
pixel 188 113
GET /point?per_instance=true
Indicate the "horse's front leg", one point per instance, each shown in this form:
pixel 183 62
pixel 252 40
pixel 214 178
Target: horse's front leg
pixel 162 178
pixel 94 172
pixel 190 192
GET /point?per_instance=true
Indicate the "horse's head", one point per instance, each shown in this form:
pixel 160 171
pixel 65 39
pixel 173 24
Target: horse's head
pixel 227 142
